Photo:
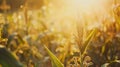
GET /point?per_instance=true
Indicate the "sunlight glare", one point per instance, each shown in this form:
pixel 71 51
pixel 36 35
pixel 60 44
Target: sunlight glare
pixel 67 13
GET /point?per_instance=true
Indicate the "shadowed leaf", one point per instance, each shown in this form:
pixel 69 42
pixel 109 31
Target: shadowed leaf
pixel 7 59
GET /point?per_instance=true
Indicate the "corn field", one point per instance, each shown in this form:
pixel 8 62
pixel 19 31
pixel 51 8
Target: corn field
pixel 59 33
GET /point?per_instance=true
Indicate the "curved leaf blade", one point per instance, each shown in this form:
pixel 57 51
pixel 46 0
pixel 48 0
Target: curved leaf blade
pixel 55 61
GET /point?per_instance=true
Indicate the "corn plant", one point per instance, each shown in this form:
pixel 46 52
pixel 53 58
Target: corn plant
pixel 83 48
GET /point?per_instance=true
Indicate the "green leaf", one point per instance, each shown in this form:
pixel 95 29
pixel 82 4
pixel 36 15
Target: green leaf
pixel 117 61
pixel 105 65
pixel 87 41
pixel 103 49
pixel 7 59
pixel 55 61
pixel 117 19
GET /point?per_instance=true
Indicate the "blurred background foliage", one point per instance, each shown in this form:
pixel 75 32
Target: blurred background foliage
pixel 26 27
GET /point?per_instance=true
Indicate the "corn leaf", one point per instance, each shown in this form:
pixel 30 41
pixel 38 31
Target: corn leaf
pixel 87 41
pixel 7 59
pixel 105 65
pixel 54 59
pixel 117 19
pixel 117 61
